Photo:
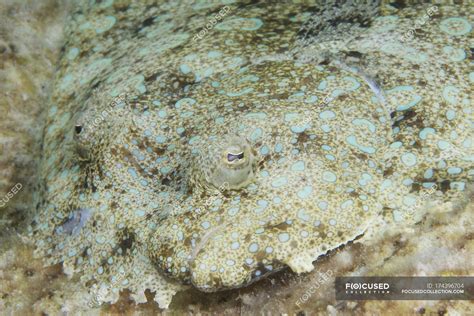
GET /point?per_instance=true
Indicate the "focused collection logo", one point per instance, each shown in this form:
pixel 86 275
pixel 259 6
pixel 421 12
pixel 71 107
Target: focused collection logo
pixel 369 288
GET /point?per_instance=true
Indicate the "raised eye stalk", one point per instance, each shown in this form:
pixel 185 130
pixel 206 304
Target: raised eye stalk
pixel 229 161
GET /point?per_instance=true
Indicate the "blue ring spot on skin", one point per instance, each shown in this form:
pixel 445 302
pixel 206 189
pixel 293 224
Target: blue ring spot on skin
pixel 244 24
pixel 364 122
pixel 450 115
pixel 262 203
pixel 214 54
pixel 283 237
pixel 322 85
pixel 454 170
pixel 323 205
pixel 72 54
pixel 396 144
pixel 264 150
pixel 311 99
pixel 303 216
pixel 278 148
pixel 194 140
pixel 355 83
pixel 160 139
pixel 241 92
pixel 330 157
pixel 409 200
pixel 253 247
pixel 409 159
pixel 325 128
pixel 106 4
pixel 185 69
pixel 165 170
pixel 467 143
pixel 402 107
pixel 140 213
pixel 296 96
pixel 351 139
pixel 443 145
pixel 305 193
pixel 132 172
pixel 279 182
pixel 450 94
pixel 298 166
pixel 256 134
pixel 347 204
pixel 184 101
pixel 408 53
pixel 327 115
pixel 428 185
pixel 387 183
pixel 456 26
pixel 291 116
pixel 106 24
pixel 428 174
pixel 251 78
pixel 258 115
pixel 454 54
pixel 365 179
pixel 186 114
pixel 425 131
pixel 329 176
pixel 299 128
pixel 66 82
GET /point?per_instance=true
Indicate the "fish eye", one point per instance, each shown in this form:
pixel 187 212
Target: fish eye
pixel 233 157
pixel 78 129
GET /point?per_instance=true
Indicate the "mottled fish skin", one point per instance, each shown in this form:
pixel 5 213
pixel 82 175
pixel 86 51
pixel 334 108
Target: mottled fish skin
pixel 143 167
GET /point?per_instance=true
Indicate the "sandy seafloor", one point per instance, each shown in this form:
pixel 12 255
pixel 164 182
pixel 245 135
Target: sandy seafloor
pixel 440 242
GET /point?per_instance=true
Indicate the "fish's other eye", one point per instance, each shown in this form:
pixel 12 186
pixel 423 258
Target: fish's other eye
pixel 78 129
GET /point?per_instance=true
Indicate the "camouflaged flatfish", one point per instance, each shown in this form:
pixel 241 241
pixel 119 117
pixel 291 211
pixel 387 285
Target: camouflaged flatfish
pixel 214 143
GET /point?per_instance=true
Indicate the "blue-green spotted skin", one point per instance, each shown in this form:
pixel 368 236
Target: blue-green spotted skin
pixel 143 196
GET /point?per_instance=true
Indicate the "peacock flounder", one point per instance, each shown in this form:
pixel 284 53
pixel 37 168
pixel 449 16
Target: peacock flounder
pixel 170 159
